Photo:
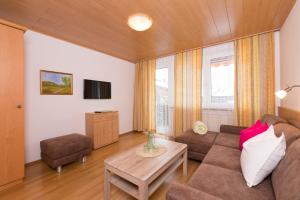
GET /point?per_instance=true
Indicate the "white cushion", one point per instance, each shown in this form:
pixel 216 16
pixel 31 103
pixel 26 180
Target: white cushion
pixel 200 128
pixel 260 156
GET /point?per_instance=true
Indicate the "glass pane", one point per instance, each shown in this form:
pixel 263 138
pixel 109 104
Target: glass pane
pixel 222 81
pixel 162 114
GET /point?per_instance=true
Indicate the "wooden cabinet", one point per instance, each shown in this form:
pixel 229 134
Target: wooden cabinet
pixel 11 106
pixel 103 128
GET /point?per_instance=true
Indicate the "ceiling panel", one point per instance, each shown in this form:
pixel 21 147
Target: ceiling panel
pixel 177 25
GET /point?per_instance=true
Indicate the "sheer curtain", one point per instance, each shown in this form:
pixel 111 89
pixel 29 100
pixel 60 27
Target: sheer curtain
pixel 144 96
pixel 255 74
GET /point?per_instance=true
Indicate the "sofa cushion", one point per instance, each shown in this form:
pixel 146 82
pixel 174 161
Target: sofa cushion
pixel 196 142
pixel 196 155
pixel 66 145
pixel 228 140
pixel 228 184
pixel 272 119
pixel 291 133
pixel 294 123
pixel 286 177
pixel 225 157
pixel 180 192
pixel 231 129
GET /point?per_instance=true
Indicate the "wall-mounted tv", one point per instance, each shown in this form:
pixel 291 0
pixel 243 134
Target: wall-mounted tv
pixel 96 89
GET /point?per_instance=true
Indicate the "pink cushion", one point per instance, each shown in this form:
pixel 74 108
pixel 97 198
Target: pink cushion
pixel 256 129
pixel 253 127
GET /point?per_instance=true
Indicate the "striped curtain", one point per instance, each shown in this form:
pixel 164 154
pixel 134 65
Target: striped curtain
pixel 144 115
pixel 188 89
pixel 255 74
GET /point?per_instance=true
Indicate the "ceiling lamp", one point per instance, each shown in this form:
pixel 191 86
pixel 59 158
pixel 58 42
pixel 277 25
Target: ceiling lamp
pixel 139 22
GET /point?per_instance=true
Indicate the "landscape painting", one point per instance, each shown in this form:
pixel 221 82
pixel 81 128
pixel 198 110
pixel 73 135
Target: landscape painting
pixel 56 83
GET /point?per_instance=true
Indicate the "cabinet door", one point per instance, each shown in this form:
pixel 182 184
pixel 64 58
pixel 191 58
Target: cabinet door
pixel 11 105
pixel 107 133
pixel 115 130
pixel 102 133
pixel 98 132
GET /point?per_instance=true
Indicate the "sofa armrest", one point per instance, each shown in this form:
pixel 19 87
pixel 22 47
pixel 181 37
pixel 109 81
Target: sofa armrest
pixel 184 192
pixel 231 129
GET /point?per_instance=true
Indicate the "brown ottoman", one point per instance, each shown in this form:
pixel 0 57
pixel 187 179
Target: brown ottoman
pixel 62 150
pixel 198 145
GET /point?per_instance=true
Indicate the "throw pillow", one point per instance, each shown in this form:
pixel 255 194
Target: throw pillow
pixel 260 156
pixel 199 128
pixel 258 128
pixel 257 124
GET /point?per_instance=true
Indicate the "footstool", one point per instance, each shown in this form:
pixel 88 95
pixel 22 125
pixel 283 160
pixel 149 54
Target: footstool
pixel 62 150
pixel 198 145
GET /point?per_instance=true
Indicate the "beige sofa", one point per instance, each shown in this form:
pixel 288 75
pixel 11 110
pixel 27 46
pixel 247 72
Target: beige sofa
pixel 219 175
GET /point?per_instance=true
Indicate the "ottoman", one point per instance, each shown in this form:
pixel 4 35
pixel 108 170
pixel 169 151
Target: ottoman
pixel 198 145
pixel 62 150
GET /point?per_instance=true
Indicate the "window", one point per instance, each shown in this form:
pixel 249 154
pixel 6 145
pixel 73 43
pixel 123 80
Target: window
pixel 164 91
pixel 222 80
pixel 218 77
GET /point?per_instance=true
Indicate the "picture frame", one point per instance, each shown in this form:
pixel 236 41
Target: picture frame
pixel 56 83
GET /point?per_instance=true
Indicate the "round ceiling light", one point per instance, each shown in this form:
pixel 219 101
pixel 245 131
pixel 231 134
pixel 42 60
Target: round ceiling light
pixel 139 22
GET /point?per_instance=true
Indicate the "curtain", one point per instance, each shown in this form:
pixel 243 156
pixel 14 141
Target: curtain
pixel 188 89
pixel 144 96
pixel 254 82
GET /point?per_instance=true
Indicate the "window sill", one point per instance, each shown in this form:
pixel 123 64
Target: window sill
pixel 218 109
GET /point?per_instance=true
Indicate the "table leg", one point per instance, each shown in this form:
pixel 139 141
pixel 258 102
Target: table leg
pixel 143 191
pixel 185 163
pixel 106 184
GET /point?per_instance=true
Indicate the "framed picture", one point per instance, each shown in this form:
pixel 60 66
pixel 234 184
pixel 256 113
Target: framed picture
pixel 56 83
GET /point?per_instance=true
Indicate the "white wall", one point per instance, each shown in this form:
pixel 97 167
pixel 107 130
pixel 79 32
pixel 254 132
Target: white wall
pixel 290 57
pixel 48 116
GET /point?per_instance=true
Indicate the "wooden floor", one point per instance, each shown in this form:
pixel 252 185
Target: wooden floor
pixel 83 181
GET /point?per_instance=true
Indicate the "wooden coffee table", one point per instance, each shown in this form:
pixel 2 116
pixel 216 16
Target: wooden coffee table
pixel 139 176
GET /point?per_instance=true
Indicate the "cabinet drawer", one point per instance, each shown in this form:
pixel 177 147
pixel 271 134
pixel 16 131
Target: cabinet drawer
pixel 106 116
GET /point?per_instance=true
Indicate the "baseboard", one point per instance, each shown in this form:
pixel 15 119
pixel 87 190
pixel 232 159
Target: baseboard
pixel 8 185
pixel 122 134
pixel 33 163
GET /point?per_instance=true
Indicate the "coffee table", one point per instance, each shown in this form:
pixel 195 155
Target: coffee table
pixel 140 176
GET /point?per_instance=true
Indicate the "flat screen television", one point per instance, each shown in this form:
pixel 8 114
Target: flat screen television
pixel 96 89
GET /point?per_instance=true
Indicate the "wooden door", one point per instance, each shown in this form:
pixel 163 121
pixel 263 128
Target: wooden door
pixel 11 105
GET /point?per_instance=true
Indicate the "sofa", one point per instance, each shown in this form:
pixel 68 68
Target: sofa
pixel 219 176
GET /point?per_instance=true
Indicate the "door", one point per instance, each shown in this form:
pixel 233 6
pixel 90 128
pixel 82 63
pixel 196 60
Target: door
pixel 11 105
pixel 164 81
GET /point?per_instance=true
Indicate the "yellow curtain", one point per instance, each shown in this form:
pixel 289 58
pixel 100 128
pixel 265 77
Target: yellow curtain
pixel 144 96
pixel 254 83
pixel 188 89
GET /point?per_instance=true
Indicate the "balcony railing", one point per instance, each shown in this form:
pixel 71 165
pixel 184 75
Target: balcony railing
pixel 162 118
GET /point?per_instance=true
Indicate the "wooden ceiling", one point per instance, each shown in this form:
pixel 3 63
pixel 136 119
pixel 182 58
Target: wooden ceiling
pixel 177 24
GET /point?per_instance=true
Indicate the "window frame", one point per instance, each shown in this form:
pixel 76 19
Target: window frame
pixel 210 54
